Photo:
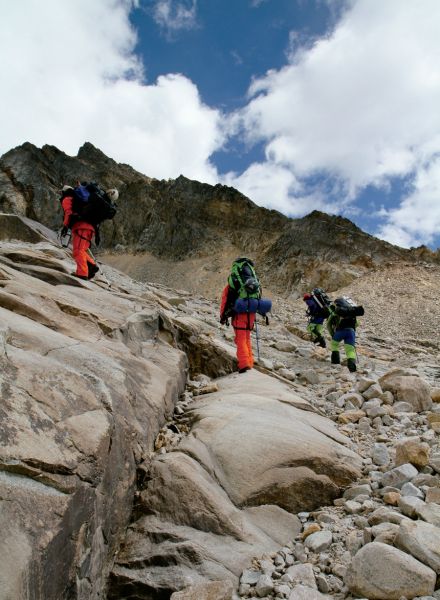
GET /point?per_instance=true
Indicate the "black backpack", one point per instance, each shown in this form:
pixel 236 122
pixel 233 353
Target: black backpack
pixel 322 301
pixel 345 307
pixel 91 204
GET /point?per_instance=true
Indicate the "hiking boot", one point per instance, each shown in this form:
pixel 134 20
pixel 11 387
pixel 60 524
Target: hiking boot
pixel 335 358
pixel 93 269
pixel 79 276
pixel 321 342
pixel 351 364
pixel 244 369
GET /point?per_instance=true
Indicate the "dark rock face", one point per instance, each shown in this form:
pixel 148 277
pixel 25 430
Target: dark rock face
pixel 178 220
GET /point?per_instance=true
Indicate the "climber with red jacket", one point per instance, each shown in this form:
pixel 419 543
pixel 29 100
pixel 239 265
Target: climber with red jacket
pixel 85 207
pixel 242 283
pixel 82 234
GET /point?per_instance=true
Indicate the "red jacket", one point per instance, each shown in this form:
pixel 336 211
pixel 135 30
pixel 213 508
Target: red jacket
pixel 238 321
pixel 67 204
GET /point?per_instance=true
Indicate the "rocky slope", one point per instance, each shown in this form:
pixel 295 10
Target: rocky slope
pixel 183 233
pixel 89 375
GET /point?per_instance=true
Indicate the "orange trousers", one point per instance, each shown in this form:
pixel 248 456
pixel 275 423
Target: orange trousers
pixel 82 234
pixel 243 324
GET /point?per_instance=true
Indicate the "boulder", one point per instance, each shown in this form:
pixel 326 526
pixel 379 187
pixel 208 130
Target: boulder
pixel 79 411
pixel 412 450
pixel 421 540
pixel 255 455
pixel 381 571
pixel 408 387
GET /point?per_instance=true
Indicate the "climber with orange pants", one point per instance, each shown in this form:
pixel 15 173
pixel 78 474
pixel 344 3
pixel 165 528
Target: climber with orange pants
pixel 82 234
pixel 242 283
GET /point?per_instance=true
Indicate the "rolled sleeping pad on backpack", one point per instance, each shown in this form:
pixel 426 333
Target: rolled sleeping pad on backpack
pixel 253 305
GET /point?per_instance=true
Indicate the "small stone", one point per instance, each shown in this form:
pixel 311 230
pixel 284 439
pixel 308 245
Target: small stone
pixel 387 398
pixel 399 475
pixel 352 507
pixel 302 574
pixel 433 495
pixel 373 391
pixel 412 450
pixel 364 383
pixel 285 346
pixel 322 584
pixel 409 505
pixel 351 416
pixel 339 570
pixel 287 374
pixel 319 541
pixel 312 528
pixel 408 489
pixel 250 577
pixel 244 589
pixel 310 376
pixel 282 590
pixel 380 455
pixel 364 425
pixel 391 498
pixel 402 407
pixel 357 490
pixel 264 586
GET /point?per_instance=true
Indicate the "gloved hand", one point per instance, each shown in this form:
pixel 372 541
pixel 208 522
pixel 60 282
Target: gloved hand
pixel 64 231
pixel 224 321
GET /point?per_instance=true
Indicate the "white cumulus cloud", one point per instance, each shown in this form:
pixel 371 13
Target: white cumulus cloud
pixel 417 219
pixel 360 105
pixel 73 76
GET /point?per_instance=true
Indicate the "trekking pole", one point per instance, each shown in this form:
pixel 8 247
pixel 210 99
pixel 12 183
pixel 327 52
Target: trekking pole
pixel 258 341
pixel 60 239
pixel 101 269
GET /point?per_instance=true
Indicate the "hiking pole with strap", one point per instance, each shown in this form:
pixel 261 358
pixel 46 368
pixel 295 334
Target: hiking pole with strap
pixel 60 239
pixel 258 341
pixel 101 270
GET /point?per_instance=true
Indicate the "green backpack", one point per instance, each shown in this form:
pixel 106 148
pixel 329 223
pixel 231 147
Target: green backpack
pixel 244 280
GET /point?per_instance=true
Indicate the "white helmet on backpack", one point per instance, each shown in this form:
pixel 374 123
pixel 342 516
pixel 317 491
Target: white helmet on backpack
pixel 113 194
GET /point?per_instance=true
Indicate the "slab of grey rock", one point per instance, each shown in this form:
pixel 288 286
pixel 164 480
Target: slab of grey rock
pixel 379 571
pixel 421 540
pixel 399 475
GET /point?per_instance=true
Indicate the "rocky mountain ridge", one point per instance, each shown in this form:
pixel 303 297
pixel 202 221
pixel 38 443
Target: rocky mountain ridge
pixel 193 230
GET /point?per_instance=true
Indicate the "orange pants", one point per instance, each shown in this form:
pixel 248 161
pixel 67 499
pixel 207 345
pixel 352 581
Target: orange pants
pixel 242 325
pixel 82 234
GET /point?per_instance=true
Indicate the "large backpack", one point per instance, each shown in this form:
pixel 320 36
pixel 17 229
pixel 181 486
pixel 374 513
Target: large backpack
pixel 244 280
pixel 91 204
pixel 318 303
pixel 321 298
pixel 345 307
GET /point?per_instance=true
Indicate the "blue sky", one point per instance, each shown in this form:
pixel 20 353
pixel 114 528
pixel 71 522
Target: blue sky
pixel 299 104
